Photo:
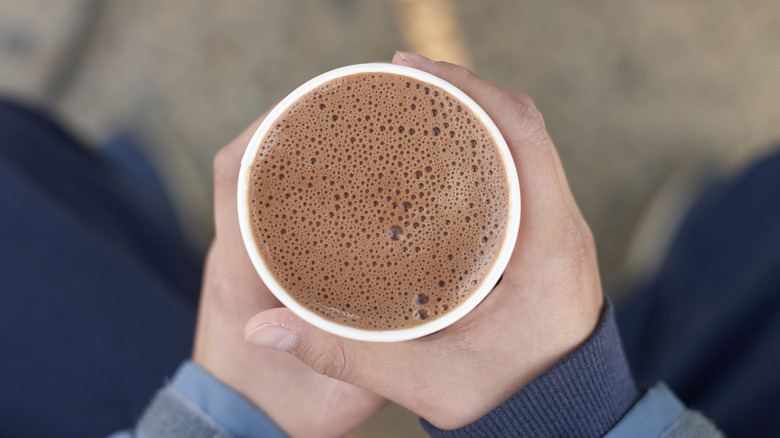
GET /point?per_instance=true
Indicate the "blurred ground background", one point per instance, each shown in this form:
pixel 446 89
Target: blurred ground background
pixel 640 97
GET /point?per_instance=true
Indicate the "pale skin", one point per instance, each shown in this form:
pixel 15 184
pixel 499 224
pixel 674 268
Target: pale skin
pixel 547 304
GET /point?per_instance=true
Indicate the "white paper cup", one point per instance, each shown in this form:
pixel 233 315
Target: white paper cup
pixel 488 282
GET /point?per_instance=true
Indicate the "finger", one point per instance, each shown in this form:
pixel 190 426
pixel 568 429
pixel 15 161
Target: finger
pixel 461 77
pixel 229 276
pixel 226 166
pixel 355 362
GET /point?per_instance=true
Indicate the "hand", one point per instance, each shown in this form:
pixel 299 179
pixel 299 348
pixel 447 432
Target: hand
pixel 547 304
pixel 299 400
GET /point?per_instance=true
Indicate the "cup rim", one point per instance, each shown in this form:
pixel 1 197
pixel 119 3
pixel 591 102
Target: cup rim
pixel 488 283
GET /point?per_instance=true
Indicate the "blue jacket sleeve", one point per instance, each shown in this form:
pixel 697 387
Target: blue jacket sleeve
pixel 659 413
pixel 195 404
pixel 589 393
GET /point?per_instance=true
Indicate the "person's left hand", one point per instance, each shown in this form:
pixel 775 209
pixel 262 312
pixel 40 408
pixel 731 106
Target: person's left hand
pixel 301 401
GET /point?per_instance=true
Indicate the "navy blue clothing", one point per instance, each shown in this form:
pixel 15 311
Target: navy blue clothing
pixel 583 395
pixel 97 286
pixel 217 400
pixel 197 405
pixel 709 323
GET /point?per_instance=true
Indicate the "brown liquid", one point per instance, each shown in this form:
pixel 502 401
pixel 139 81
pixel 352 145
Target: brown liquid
pixel 378 201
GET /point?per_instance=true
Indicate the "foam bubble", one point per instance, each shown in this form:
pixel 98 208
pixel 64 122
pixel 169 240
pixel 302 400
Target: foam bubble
pixel 395 232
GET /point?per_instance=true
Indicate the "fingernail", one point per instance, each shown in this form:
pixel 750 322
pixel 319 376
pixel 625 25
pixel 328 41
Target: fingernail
pixel 271 336
pixel 413 57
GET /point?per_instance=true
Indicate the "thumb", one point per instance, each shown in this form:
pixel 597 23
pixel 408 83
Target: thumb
pixel 336 357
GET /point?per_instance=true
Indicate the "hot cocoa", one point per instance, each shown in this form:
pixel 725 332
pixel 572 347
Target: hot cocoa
pixel 378 201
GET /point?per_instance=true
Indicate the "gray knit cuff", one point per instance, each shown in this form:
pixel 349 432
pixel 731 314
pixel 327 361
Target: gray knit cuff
pixel 171 415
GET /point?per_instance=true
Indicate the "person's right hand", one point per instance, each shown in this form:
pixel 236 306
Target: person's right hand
pixel 547 304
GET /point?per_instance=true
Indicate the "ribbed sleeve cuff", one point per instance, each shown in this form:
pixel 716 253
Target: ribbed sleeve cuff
pixel 223 404
pixel 583 395
pixel 197 405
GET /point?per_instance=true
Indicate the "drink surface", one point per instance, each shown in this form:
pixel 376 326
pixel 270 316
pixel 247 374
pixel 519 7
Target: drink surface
pixel 378 201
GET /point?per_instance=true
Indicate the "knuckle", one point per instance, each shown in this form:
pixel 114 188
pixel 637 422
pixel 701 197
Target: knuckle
pixel 529 131
pixel 465 75
pixel 331 362
pixel 216 282
pixel 577 278
pixel 523 98
pixel 223 165
pixel 588 238
pixel 456 74
pixel 532 122
pixel 579 251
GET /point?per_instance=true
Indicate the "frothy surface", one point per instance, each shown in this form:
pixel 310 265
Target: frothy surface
pixel 378 201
